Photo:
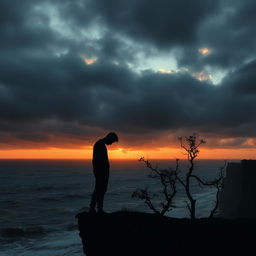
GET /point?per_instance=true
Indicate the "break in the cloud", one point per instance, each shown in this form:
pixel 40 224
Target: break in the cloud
pixel 71 70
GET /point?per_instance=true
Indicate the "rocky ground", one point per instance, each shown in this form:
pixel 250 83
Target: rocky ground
pixel 134 233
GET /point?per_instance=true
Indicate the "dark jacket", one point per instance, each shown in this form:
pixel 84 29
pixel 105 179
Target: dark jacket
pixel 100 156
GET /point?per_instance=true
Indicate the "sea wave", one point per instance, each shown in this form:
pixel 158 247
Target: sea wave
pixel 59 211
pixel 11 190
pixel 71 227
pixel 74 196
pixel 45 188
pixel 62 198
pixel 23 232
pixel 10 203
pixel 49 199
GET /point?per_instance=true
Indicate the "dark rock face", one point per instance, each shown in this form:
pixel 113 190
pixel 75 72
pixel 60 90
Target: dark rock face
pixel 130 233
pixel 238 198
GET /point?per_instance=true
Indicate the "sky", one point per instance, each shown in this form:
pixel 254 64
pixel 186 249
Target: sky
pixel 73 70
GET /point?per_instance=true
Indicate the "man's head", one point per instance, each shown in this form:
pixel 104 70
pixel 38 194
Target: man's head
pixel 110 138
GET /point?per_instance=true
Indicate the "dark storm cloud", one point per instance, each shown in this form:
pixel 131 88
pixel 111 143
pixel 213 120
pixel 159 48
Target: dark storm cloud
pixel 161 22
pixel 57 87
pixel 23 28
pixel 49 94
pixel 230 35
pixel 242 81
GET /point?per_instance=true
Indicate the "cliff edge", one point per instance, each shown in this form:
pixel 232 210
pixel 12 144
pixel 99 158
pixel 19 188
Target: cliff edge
pixel 134 233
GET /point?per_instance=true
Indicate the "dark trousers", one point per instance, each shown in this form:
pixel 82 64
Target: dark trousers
pixel 101 184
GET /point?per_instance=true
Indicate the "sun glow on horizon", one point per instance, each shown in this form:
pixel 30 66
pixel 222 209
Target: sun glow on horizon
pixel 123 153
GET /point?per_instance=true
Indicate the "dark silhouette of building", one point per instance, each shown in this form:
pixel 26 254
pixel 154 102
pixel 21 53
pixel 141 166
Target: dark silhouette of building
pixel 238 198
pixel 101 166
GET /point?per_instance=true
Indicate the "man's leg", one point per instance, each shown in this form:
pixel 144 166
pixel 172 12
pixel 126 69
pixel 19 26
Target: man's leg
pixel 93 201
pixel 94 196
pixel 103 184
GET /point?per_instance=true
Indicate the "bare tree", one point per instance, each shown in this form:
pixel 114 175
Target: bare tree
pixel 168 178
pixel 191 146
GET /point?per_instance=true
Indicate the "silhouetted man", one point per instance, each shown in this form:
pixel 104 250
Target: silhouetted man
pixel 101 171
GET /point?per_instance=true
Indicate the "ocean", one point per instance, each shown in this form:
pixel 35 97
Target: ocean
pixel 40 198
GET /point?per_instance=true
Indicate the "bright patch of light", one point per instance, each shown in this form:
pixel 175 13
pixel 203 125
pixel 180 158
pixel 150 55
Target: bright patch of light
pixel 218 77
pixel 159 62
pixel 164 71
pixel 123 150
pixel 205 51
pixel 250 142
pixel 227 140
pixel 217 74
pixel 179 70
pixel 202 76
pixel 88 61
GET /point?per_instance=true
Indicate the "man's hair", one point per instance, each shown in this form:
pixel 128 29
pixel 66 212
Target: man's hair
pixel 112 136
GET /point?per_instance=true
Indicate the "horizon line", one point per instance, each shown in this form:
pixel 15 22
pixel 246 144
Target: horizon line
pixel 126 159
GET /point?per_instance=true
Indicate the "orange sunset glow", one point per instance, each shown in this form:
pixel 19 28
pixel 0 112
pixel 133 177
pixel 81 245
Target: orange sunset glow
pixel 205 51
pixel 88 61
pixel 122 153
